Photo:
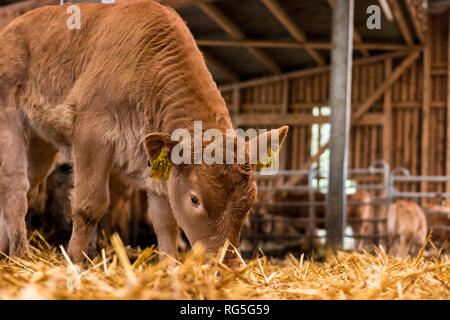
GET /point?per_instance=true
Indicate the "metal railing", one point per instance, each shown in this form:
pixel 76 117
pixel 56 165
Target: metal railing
pixel 405 176
pixel 378 168
pixel 387 194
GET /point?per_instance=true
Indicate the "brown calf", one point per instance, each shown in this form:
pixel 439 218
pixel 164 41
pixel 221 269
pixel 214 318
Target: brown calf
pixel 113 91
pixel 364 211
pixel 353 212
pixel 437 221
pixel 406 228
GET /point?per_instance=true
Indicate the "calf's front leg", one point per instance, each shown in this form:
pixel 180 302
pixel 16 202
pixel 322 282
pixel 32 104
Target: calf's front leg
pixel 166 228
pixel 90 198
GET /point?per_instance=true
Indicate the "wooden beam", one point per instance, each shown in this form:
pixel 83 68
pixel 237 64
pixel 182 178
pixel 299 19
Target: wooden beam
pixel 340 101
pixel 304 45
pixel 401 22
pixel 281 15
pixel 234 31
pixel 357 39
pixel 309 72
pixel 179 4
pixel 415 19
pixel 251 119
pixel 386 9
pixel 220 67
pixel 364 107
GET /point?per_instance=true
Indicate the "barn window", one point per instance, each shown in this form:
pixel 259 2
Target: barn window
pixel 320 135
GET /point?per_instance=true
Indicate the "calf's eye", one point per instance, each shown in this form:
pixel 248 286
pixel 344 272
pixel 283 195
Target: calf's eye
pixel 195 201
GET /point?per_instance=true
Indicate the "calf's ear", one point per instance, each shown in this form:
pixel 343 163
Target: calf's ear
pixel 154 143
pixel 281 132
pixel 266 138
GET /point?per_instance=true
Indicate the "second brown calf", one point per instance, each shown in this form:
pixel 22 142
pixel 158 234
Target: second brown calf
pixel 406 228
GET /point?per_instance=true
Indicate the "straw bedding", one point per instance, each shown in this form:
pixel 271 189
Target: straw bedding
pixel 125 273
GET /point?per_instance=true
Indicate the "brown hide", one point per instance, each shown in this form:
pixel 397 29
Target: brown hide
pixel 406 227
pixel 114 90
pixel 356 212
pixel 439 220
pixel 9 12
pixel 364 211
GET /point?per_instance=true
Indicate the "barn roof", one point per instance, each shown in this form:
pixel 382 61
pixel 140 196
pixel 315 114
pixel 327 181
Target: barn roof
pixel 246 39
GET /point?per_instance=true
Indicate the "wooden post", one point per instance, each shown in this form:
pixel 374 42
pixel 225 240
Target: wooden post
pixel 387 127
pixel 340 99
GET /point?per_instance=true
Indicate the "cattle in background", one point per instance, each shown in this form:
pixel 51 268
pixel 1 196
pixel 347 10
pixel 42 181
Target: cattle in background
pixel 295 211
pixel 406 228
pixel 359 211
pixel 132 75
pixel 9 12
pixel 362 210
pixel 438 220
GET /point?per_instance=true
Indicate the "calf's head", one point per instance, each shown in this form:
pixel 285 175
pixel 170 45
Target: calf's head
pixel 210 201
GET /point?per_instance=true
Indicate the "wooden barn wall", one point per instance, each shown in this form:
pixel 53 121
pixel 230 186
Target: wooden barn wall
pixel 393 127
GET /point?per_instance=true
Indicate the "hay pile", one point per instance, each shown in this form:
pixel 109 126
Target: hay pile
pixel 48 274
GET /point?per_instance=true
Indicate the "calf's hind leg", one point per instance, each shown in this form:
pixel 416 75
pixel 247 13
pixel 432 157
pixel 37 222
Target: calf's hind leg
pixel 14 184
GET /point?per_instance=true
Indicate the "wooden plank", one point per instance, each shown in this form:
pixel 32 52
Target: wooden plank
pixel 407 139
pixel 281 15
pixel 285 96
pixel 303 45
pixel 424 170
pixel 415 144
pixel 358 147
pixel 447 160
pixel 275 119
pixel 301 138
pixel 235 32
pixel 399 138
pixel 387 106
pixel 363 84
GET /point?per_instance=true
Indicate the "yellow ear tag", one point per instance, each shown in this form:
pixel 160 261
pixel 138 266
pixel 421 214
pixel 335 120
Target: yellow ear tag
pixel 267 162
pixel 161 166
